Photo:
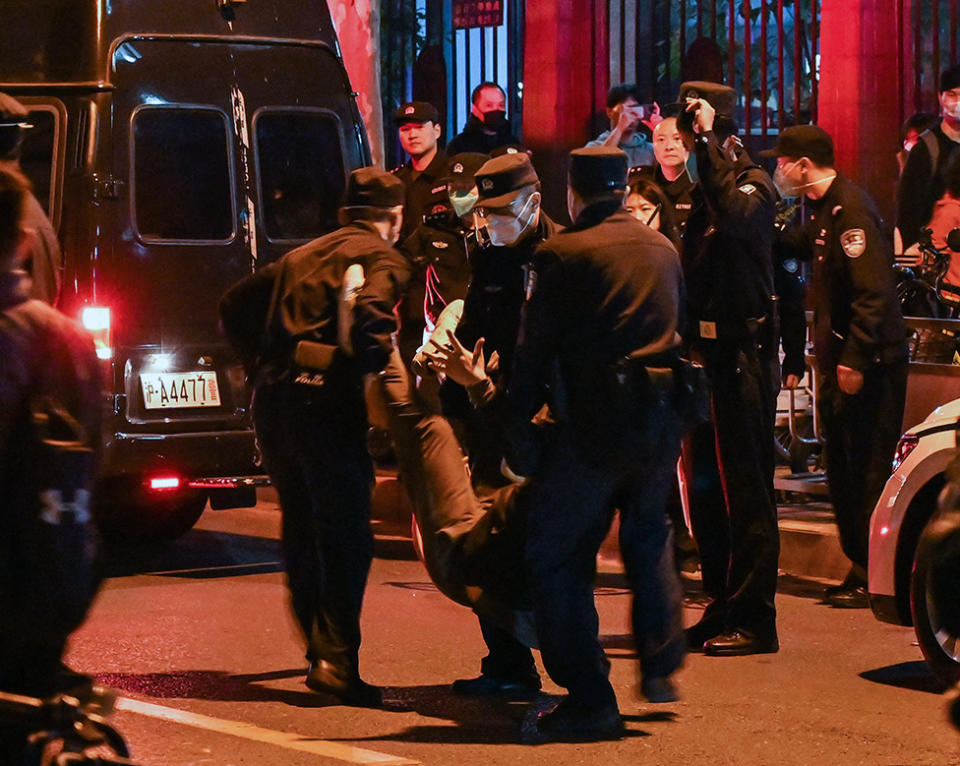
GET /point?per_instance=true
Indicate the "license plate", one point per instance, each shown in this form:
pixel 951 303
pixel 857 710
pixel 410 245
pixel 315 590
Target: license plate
pixel 176 390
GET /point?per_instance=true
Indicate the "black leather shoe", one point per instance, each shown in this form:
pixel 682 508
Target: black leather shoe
pixel 736 643
pixel 848 598
pixel 659 689
pixel 324 678
pixel 570 722
pixel 701 632
pixel 489 686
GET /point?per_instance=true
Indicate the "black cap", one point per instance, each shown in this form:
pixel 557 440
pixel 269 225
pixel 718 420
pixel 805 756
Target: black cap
pixel 722 98
pixel 510 149
pixel 416 111
pixel 464 166
pixel 500 179
pixel 596 170
pixel 372 187
pixel 798 141
pixel 950 78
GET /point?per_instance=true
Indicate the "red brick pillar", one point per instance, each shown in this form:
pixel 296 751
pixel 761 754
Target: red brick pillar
pixel 859 93
pixel 565 79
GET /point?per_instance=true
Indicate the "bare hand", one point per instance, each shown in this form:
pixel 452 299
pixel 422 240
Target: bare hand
pixel 654 118
pixel 627 118
pixel 458 363
pixel 849 379
pixel 703 114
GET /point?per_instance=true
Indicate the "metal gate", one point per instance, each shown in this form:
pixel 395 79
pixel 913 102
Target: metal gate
pixel 929 35
pixel 771 46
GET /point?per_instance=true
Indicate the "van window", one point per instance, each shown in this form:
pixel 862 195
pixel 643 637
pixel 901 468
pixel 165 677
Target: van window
pixel 300 160
pixel 182 187
pixel 36 154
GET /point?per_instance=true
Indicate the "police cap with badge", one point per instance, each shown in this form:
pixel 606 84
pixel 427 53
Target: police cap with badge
pixel 810 141
pixel 501 180
pixel 598 171
pixel 416 111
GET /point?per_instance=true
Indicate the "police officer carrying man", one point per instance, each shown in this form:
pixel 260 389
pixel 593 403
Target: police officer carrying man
pixel 513 226
pixel 605 311
pixel 859 340
pixel 732 328
pixel 311 419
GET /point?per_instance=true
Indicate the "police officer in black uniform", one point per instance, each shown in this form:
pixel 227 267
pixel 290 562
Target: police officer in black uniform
pixel 859 340
pixel 311 418
pixel 513 226
pixel 440 248
pixel 732 328
pixel 602 324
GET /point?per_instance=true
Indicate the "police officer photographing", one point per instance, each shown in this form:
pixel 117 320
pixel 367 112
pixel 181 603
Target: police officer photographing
pixel 859 340
pixel 732 328
pixel 310 415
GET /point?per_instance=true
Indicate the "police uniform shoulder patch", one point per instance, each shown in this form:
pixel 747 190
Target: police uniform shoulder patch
pixel 747 189
pixel 854 242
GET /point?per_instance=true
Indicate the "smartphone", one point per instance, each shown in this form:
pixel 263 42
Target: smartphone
pixel 645 110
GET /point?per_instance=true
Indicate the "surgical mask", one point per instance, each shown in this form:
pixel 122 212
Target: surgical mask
pixel 463 202
pixel 506 230
pixel 494 120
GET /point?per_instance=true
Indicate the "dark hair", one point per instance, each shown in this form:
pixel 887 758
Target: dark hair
pixel 641 183
pixel 620 93
pixel 475 94
pixel 920 121
pixel 14 188
pixel 951 175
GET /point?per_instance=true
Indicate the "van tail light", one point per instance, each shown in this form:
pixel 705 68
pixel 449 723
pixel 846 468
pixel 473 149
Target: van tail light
pixel 164 483
pixel 905 446
pixel 96 320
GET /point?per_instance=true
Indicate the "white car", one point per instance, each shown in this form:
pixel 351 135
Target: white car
pixel 902 524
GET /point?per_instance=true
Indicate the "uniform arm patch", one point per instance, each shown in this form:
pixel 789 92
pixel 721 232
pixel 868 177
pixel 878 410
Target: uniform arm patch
pixel 854 242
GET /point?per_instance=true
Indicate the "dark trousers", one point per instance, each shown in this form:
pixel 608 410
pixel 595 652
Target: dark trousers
pixel 573 499
pixel 30 669
pixel 861 433
pixel 313 442
pixel 736 527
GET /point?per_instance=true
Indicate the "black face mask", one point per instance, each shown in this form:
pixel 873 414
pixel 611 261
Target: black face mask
pixel 494 120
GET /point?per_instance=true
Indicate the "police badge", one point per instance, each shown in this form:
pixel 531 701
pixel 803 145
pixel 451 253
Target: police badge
pixel 854 242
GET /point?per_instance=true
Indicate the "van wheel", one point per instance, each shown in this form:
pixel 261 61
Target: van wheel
pixel 934 600
pixel 124 513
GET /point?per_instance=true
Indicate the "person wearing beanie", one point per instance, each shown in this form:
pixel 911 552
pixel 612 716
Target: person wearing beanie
pixel 922 182
pixel 307 360
pixel 602 326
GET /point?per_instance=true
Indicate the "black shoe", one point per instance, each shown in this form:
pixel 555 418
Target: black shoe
pixel 701 632
pixel 736 643
pixel 489 686
pixel 848 598
pixel 570 722
pixel 324 678
pixel 659 689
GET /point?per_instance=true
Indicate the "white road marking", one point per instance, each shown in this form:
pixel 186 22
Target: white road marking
pixel 288 740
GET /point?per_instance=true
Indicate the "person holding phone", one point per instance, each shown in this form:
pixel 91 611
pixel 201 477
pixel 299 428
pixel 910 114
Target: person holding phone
pixel 628 116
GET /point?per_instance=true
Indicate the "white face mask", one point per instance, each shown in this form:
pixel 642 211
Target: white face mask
pixel 506 230
pixel 785 186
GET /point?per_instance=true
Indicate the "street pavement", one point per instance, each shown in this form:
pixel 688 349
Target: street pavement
pixel 197 638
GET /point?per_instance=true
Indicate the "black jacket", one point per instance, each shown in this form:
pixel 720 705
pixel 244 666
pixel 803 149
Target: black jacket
pixel 727 258
pixel 857 320
pixel 307 284
pixel 426 191
pixel 606 288
pixel 474 138
pixel 921 185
